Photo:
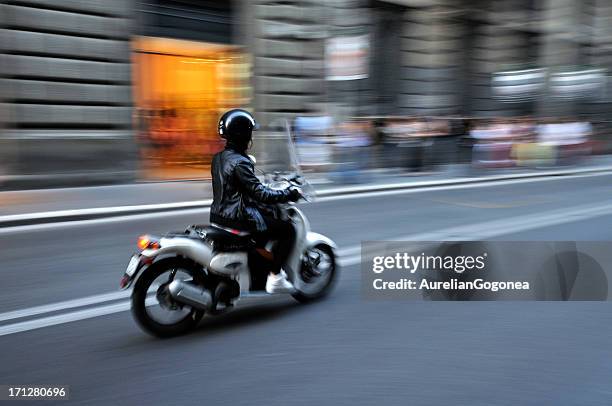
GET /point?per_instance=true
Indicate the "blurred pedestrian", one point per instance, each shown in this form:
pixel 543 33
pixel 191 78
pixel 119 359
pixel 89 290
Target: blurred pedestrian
pixel 569 138
pixel 312 141
pixel 493 144
pixel 352 145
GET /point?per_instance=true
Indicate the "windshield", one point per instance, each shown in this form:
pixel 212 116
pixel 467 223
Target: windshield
pixel 276 153
pixel 278 158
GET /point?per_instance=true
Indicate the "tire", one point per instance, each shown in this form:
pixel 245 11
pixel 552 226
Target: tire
pixel 139 310
pixel 304 297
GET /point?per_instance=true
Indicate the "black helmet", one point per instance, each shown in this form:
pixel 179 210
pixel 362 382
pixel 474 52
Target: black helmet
pixel 237 126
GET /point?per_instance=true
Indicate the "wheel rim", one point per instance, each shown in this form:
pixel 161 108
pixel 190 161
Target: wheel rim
pixel 317 269
pixel 159 305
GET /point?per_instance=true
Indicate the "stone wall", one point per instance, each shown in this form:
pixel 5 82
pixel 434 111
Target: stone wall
pixel 501 42
pixel 288 45
pixel 65 91
pixel 430 57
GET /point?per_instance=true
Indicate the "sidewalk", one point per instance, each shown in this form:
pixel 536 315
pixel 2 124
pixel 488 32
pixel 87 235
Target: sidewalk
pixel 44 200
pixel 25 207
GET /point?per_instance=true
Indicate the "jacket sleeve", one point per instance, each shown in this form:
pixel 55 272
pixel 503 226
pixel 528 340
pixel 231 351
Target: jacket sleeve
pixel 248 182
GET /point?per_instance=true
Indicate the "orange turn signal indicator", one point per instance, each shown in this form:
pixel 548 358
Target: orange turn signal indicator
pixel 147 242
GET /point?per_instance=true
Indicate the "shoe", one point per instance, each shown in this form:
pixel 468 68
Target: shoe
pixel 279 284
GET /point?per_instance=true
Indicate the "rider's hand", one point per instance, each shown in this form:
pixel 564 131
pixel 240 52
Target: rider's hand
pixel 295 194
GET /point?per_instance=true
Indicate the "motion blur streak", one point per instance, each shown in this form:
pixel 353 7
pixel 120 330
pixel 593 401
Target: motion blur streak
pixel 348 256
pixel 342 193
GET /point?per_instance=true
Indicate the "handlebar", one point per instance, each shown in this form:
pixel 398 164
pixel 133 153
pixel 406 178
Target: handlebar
pixel 295 180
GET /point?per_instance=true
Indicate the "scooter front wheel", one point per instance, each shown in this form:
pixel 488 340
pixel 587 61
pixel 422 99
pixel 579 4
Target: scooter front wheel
pixel 318 274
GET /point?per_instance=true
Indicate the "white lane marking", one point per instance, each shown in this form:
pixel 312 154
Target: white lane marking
pixel 496 228
pixel 64 318
pixel 356 192
pixel 349 256
pixel 97 312
pixel 65 305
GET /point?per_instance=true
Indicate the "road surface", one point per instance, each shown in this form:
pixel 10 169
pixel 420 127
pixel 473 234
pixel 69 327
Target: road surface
pixel 341 351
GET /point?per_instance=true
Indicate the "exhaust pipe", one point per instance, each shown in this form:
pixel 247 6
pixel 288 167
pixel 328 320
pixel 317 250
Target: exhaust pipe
pixel 191 295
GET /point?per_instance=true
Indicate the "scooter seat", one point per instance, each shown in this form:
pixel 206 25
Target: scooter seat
pixel 226 238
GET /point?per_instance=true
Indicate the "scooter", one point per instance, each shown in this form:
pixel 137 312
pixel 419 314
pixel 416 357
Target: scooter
pixel 207 269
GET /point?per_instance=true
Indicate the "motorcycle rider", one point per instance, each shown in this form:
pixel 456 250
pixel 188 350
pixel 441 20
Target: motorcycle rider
pixel 236 192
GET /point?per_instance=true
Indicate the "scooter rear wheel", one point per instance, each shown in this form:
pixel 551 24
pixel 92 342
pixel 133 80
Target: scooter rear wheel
pixel 186 317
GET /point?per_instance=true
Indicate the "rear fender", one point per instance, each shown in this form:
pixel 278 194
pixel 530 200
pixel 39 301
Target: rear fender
pixel 195 250
pixel 128 277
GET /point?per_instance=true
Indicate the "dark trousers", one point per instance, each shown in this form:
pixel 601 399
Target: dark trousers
pixel 284 234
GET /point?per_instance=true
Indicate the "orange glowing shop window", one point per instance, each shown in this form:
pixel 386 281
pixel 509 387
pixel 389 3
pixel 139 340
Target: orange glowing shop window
pixel 180 89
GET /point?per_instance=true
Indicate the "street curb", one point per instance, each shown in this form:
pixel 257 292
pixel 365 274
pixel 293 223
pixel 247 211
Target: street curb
pixel 461 181
pixel 14 220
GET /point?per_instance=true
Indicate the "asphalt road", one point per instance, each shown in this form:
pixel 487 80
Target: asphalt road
pixel 344 350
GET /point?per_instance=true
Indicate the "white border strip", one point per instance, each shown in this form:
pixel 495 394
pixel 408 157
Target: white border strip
pixel 118 210
pixel 66 215
pixel 367 194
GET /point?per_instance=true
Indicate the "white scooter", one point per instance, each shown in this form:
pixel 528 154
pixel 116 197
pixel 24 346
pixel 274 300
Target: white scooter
pixel 206 269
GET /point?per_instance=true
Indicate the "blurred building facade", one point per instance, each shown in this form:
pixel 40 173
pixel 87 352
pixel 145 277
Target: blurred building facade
pixel 72 91
pixel 432 57
pixel 70 102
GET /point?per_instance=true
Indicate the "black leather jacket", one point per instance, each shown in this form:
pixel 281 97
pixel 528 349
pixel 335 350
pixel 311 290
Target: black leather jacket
pixel 237 192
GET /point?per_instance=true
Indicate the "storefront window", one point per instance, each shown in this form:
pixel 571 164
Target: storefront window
pixel 180 90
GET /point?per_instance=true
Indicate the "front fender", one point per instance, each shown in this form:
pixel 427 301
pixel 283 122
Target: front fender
pixel 313 239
